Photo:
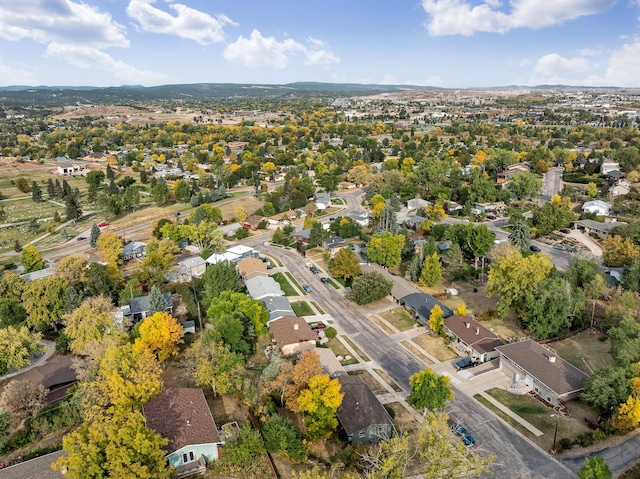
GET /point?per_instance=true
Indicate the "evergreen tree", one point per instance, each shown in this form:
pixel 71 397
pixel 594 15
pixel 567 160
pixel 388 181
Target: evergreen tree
pixel 109 173
pixel 51 189
pixel 36 193
pixel 414 269
pixel 58 189
pixel 95 234
pixel 157 303
pixel 72 208
pixel 316 235
pixel 520 235
pixel 66 189
pixel 144 177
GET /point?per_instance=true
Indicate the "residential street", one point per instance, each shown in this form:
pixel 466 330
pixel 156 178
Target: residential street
pixel 516 456
pixel 552 183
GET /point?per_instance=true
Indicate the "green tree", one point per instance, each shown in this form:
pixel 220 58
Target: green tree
pixel 11 312
pixel 553 215
pixel 475 241
pixel 457 265
pixel 625 341
pixel 520 235
pixel 214 365
pixel 244 455
pixel 229 302
pixel 31 259
pixel 205 235
pixel 386 248
pixel 95 234
pixel 157 302
pixel 220 277
pixel 72 208
pixel 160 193
pixel 431 271
pixel 157 262
pixel 548 308
pixel 595 468
pixel 414 268
pixel 607 389
pixel 345 264
pixel 280 436
pixel 369 287
pixel 428 390
pixel 36 192
pixel 316 235
pixel 235 331
pixel 182 191
pixel 525 185
pixel 17 344
pixel 44 301
pixel 581 272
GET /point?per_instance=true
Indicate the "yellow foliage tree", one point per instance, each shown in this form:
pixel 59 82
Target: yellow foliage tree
pixel 461 310
pixel 377 209
pixel 161 334
pixel 320 401
pixel 268 167
pixel 435 319
pixel 110 247
pixel 628 414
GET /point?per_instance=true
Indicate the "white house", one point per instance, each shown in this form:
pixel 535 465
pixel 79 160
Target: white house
pixel 621 188
pixel 73 170
pixel 598 207
pixel 417 203
pixel 608 166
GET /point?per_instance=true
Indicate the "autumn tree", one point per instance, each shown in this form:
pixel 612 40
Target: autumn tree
pixel 110 247
pixel 205 235
pixel 22 398
pixel 512 275
pixel 436 321
pixel 157 263
pixel 17 344
pixel 307 367
pixel 72 269
pixel 214 365
pixel 11 285
pixel 431 270
pixel 617 252
pixel 386 248
pixel 428 390
pixel 241 215
pixel 31 259
pixel 345 264
pixel 320 400
pixel 161 334
pixel 92 326
pixel 44 301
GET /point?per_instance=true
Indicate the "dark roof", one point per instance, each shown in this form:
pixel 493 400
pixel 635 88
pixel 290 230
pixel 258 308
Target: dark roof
pixel 333 242
pixel 472 333
pixel 56 371
pixel 291 330
pixel 302 234
pixel 39 467
pixel 559 375
pixel 360 408
pixel 141 304
pixel 181 415
pixel 423 303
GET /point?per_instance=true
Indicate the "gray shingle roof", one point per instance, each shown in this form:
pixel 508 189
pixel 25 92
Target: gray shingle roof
pixel 141 304
pixel 360 408
pixel 422 304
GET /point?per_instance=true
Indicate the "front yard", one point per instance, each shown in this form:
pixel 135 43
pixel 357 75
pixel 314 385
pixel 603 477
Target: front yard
pixel 287 289
pixel 400 319
pixel 435 346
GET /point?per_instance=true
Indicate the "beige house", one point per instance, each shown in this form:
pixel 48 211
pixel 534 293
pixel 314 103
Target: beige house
pixel 251 267
pixel 293 335
pixel 472 338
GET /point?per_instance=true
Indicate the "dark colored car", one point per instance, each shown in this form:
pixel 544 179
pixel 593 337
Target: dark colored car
pixel 80 238
pixel 565 231
pixel 324 280
pixel 534 248
pixel 464 363
pixel 314 270
pixel 467 438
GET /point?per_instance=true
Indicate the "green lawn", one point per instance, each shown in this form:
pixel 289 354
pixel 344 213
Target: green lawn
pixel 293 281
pixel 320 310
pixel 284 284
pixel 585 347
pixel 302 308
pixel 399 318
pixel 333 283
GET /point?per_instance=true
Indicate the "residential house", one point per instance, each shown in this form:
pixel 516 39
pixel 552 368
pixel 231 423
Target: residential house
pixel 536 368
pixel 361 218
pixel 260 287
pixel 40 274
pixel 421 305
pixel 472 338
pixel 278 307
pixel 417 203
pixel 96 156
pixel 362 417
pixel 608 167
pixel 488 208
pixel 622 187
pixel 230 229
pixel 601 229
pixel 333 244
pixel 250 268
pixel 329 362
pixel 599 207
pixel 216 258
pixel 253 222
pixel 187 269
pixel 243 251
pixel 139 308
pixel 323 200
pixel 182 416
pixel 301 236
pixel 40 467
pixel 503 176
pixel 414 222
pixel 293 335
pixel 73 170
pixel 134 249
pixel 281 219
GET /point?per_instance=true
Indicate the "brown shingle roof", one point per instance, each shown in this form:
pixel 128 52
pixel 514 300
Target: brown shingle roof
pixel 251 265
pixel 182 416
pixel 472 333
pixel 291 330
pixel 360 408
pixel 559 375
pixel 57 370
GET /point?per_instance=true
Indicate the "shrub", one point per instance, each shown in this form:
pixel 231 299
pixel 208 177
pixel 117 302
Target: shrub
pixel 280 436
pixel 566 443
pixel 330 332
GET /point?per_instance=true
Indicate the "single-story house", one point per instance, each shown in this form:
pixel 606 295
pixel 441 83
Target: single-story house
pixel 293 335
pixel 609 166
pixel 485 208
pixel 301 236
pixel 361 218
pixel 414 222
pixel 182 416
pixel 503 176
pixel 417 203
pixel 253 222
pixel 278 307
pixel 40 274
pixel 73 170
pixel 472 337
pixel 260 287
pixel 187 269
pixel 250 268
pixel 333 244
pixel 244 251
pixel 538 369
pixel 134 249
pixel 95 156
pixel 139 308
pixel 599 207
pixel 283 218
pixel 39 467
pixel 421 304
pixel 230 229
pixel 216 258
pixel 601 229
pixel 621 188
pixel 361 416
pixel 323 200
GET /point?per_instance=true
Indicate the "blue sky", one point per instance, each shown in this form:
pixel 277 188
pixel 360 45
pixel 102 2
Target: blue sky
pixel 443 43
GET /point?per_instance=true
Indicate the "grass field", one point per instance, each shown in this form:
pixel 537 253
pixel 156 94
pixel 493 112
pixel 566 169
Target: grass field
pixel 435 346
pixel 400 319
pixel 287 289
pixel 294 282
pixel 302 308
pixel 318 308
pixel 340 349
pixel 585 347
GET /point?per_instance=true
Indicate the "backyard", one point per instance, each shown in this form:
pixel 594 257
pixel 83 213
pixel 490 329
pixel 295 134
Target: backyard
pixel 586 351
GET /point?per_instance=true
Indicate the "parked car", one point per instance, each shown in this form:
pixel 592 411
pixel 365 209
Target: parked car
pixel 465 363
pixel 534 248
pixel 560 247
pixel 318 326
pixel 314 270
pixel 324 280
pixel 307 288
pixel 80 238
pixel 565 231
pixel 467 438
pixel 103 224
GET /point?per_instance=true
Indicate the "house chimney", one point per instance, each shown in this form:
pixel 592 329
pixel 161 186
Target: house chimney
pixel 295 326
pixel 477 330
pixel 552 359
pixel 188 422
pixel 468 325
pixel 357 405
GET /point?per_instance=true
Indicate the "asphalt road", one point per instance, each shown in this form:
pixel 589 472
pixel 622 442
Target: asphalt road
pixel 619 458
pixel 516 456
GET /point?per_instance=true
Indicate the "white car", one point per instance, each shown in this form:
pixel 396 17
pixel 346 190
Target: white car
pixel 452 291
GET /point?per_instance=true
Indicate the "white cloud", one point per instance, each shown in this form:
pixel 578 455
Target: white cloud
pixel 15 76
pixel 555 69
pixel 62 21
pixel 459 17
pixel 187 23
pixel 88 57
pixel 260 51
pixel 589 52
pixel 624 66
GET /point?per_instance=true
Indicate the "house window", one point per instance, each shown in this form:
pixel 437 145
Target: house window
pixel 361 434
pixel 549 399
pixel 536 390
pixel 188 457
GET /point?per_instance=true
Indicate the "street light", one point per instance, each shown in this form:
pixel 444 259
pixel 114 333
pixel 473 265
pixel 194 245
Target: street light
pixel 555 434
